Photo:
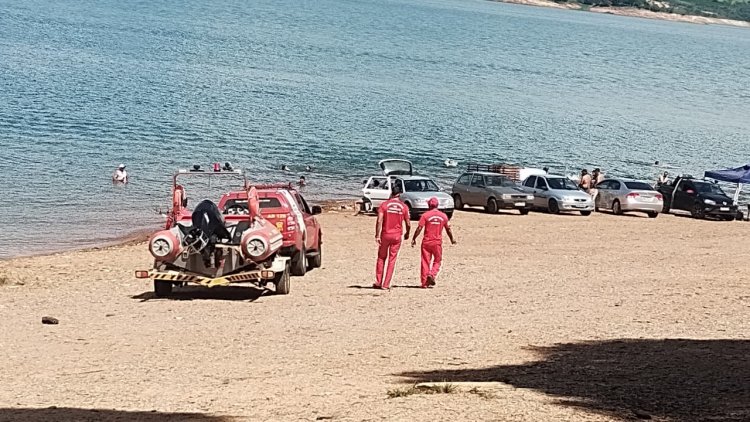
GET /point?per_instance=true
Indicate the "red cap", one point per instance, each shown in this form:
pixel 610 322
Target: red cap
pixel 433 202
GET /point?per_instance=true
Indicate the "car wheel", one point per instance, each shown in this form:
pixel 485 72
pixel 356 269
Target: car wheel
pixel 282 282
pixel 728 218
pixel 553 207
pixel 457 202
pixel 585 213
pixel 524 211
pixel 698 212
pixel 316 261
pixel 299 263
pixel 162 288
pixel 652 214
pixel 491 206
pixel 616 207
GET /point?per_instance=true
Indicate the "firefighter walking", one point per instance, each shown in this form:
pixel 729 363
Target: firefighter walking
pixel 433 222
pixel 393 217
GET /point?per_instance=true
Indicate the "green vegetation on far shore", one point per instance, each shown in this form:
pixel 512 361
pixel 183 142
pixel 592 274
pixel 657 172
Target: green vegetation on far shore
pixel 726 9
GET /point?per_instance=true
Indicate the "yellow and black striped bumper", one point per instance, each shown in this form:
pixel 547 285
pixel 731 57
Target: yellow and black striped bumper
pixel 178 277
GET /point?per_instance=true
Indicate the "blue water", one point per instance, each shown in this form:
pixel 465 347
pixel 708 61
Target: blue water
pixel 85 85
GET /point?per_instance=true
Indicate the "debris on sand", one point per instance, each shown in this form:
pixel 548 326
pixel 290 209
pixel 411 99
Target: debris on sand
pixel 48 320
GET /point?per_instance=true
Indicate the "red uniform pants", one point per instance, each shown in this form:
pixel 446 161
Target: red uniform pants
pixel 432 257
pixel 388 249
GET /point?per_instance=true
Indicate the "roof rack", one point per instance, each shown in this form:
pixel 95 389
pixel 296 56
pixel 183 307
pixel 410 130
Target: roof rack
pixel 508 170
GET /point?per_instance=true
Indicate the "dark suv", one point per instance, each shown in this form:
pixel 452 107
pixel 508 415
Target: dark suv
pixel 700 198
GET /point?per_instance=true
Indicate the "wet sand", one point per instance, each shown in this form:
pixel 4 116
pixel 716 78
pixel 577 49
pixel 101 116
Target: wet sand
pixel 651 322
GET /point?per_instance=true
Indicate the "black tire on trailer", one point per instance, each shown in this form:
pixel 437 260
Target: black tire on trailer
pixel 458 204
pixel 616 207
pixel 553 207
pixel 162 288
pixel 491 206
pixel 282 282
pixel 299 262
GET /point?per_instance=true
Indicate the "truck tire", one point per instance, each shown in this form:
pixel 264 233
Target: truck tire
pixel 458 204
pixel 553 207
pixel 282 282
pixel 299 263
pixel 616 207
pixel 316 261
pixel 162 288
pixel 491 206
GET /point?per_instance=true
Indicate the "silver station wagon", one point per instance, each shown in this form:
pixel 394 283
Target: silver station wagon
pixel 491 191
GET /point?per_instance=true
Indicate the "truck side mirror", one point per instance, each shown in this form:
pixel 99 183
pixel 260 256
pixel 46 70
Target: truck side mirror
pixel 316 209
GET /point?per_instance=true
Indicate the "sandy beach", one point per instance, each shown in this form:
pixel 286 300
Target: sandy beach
pixel 560 318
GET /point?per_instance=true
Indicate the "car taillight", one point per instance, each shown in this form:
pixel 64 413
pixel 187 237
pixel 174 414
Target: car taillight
pixel 633 195
pixel 291 223
pixel 659 197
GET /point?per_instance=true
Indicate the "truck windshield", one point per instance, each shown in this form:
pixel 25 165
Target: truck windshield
pixel 420 186
pixel 498 181
pixel 561 183
pixel 705 187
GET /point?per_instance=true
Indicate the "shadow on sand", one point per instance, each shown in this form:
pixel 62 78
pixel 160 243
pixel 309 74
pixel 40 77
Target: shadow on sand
pixel 104 415
pixel 247 293
pixel 674 379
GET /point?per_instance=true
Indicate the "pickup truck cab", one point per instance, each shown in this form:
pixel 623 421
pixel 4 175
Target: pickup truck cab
pixel 698 197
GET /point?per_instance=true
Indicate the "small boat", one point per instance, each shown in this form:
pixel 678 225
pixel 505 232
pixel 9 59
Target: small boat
pixel 451 163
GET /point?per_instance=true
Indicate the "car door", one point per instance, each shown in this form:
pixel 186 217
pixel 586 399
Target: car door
pixel 377 190
pixel 684 197
pixel 528 187
pixel 541 193
pixel 475 190
pixel 311 223
pixel 461 187
pixel 605 192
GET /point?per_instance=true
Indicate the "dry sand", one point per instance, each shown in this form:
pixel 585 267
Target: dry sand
pixel 653 322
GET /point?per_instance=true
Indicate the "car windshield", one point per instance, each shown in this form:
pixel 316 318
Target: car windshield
pixel 705 187
pixel 498 181
pixel 561 183
pixel 638 186
pixel 425 185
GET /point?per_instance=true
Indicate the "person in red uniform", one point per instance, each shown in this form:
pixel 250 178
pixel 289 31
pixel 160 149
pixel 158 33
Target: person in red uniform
pixel 433 222
pixel 393 216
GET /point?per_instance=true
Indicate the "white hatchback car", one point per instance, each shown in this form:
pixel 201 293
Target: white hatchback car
pixel 417 190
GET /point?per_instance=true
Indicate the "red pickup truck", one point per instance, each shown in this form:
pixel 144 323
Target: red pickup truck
pixel 285 207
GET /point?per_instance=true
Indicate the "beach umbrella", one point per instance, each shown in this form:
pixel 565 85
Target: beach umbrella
pixel 738 175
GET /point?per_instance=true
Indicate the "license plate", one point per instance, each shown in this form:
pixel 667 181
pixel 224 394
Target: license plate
pixel 724 208
pixel 520 204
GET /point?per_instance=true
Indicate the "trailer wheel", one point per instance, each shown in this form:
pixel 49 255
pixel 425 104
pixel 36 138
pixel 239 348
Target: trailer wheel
pixel 162 288
pixel 282 281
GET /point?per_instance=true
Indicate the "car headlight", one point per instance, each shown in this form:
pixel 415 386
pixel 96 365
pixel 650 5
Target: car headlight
pixel 161 247
pixel 419 201
pixel 530 197
pixel 567 199
pixel 709 202
pixel 506 196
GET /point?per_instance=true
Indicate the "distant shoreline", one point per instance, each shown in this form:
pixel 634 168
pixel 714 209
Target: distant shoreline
pixel 632 12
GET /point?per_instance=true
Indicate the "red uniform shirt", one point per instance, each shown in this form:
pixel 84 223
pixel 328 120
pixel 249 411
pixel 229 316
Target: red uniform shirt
pixel 394 213
pixel 433 222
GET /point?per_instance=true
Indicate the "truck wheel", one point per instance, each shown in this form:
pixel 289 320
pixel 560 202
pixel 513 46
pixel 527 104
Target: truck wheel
pixel 698 212
pixel 282 282
pixel 299 263
pixel 162 288
pixel 616 207
pixel 491 206
pixel 316 261
pixel 652 214
pixel 553 207
pixel 458 204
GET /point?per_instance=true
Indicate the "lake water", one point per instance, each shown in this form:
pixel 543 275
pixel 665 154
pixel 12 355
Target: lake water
pixel 339 84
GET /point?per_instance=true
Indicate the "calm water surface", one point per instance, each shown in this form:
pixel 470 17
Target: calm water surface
pixel 85 85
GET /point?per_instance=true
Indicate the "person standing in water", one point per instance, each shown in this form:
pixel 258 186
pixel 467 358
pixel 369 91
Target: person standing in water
pixel 120 176
pixel 433 222
pixel 393 216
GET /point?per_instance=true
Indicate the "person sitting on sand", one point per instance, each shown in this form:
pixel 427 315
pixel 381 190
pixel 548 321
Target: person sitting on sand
pixel 120 176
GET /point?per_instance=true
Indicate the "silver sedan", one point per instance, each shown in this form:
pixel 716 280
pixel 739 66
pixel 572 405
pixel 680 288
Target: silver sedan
pixel 621 195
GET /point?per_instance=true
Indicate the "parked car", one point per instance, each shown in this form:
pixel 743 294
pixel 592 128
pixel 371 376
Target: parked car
pixel 288 210
pixel 699 197
pixel 491 191
pixel 417 190
pixel 620 195
pixel 558 193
